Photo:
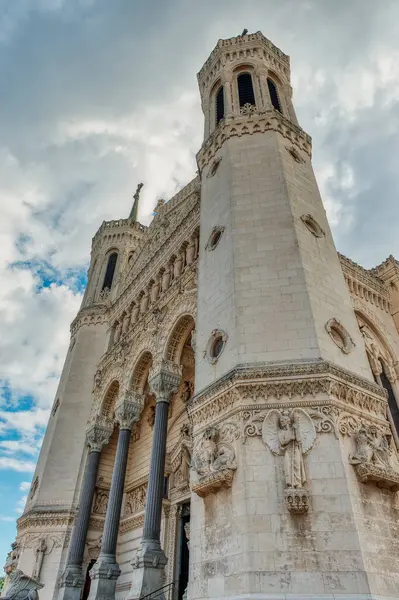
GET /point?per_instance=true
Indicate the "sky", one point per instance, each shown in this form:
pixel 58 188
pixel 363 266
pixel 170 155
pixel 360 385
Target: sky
pixel 97 96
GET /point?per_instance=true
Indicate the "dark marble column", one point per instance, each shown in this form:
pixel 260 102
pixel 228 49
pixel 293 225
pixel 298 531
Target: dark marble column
pixel 149 563
pixel 72 580
pixel 106 571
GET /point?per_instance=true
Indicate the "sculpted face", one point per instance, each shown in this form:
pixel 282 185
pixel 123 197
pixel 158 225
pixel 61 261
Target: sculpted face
pixel 285 421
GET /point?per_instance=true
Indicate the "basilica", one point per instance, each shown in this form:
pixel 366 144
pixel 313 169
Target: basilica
pixel 226 424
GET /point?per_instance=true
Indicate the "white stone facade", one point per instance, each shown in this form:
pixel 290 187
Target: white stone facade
pixel 282 464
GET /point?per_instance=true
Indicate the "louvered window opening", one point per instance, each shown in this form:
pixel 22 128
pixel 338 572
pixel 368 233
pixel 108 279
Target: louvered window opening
pixel 393 405
pixel 273 95
pixel 245 89
pixel 110 272
pixel 219 105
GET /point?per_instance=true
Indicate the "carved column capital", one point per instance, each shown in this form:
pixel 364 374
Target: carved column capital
pixel 164 380
pixel 98 433
pixel 128 410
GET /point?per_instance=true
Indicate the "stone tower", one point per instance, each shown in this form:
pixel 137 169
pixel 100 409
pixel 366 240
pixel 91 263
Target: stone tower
pixel 227 420
pixel 280 360
pixel 57 480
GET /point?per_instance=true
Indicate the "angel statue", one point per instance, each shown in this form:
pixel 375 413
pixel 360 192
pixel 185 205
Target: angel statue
pixel 20 586
pixel 291 434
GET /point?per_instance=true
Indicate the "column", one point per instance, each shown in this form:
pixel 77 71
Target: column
pixel 73 579
pixel 106 570
pixel 149 563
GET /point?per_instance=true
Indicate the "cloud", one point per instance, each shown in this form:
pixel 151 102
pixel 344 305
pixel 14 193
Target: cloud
pixel 22 466
pixel 24 486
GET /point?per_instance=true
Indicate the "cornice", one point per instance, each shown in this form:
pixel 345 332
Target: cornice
pixel 256 122
pixel 45 519
pixel 91 315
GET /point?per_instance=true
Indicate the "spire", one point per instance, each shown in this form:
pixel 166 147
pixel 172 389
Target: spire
pixel 135 207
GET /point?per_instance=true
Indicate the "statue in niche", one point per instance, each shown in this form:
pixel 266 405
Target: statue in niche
pixel 182 472
pixel 101 503
pixel 291 434
pixel 151 416
pixel 187 392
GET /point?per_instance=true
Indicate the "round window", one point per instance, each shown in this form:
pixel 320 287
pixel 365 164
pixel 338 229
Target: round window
pixel 214 238
pixel 217 347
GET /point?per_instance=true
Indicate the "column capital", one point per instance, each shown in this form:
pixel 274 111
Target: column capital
pixel 128 409
pixel 164 379
pixel 98 432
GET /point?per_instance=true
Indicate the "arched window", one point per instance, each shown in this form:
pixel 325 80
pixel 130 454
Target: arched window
pixel 110 272
pixel 273 94
pixel 245 89
pixel 393 405
pixel 219 104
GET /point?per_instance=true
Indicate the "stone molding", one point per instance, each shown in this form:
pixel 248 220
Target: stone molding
pixel 259 122
pixel 365 285
pixel 93 315
pixel 289 384
pixel 45 519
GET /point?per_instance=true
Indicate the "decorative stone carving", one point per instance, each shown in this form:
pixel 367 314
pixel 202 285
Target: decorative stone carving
pixel 295 154
pixel 214 166
pixel 151 416
pixel 190 252
pixel 94 547
pixel 135 314
pixel 166 277
pixel 375 458
pixel 214 463
pixel 178 266
pixel 144 303
pixel 98 433
pixel 187 392
pixel 313 226
pixel 292 434
pixel 181 466
pixel 339 335
pixel 296 500
pixel 128 410
pixel 101 502
pixel 39 557
pixel 135 500
pixel 248 109
pixel 22 587
pixel 164 379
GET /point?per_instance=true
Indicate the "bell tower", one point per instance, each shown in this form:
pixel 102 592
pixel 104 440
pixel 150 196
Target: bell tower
pixel 273 281
pixel 283 388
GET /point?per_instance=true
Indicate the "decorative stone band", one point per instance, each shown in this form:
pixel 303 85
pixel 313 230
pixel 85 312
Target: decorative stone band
pixel 89 316
pixel 52 519
pixel 285 384
pixel 164 380
pixel 248 124
pixel 98 432
pixel 128 410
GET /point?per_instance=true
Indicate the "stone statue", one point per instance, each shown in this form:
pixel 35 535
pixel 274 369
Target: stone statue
pixel 101 503
pixel 292 435
pixel 182 473
pixel 40 552
pixel 187 392
pixel 212 455
pixel 20 586
pixel 372 447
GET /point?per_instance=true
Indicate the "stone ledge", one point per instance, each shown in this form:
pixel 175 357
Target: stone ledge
pixel 213 482
pixel 383 478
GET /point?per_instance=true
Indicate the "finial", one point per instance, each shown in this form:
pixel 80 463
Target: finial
pixel 245 31
pixel 135 207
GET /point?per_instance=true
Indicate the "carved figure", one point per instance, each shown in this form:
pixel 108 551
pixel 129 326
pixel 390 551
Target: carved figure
pixel 187 391
pixel 182 472
pixel 151 416
pixel 40 552
pixel 372 447
pixel 101 503
pixel 213 455
pixel 20 586
pixel 292 435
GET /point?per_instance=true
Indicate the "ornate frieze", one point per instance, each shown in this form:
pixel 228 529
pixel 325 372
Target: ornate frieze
pixel 45 519
pixel 135 499
pixel 256 122
pixel 93 315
